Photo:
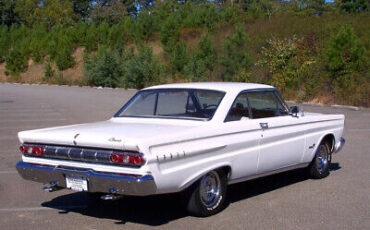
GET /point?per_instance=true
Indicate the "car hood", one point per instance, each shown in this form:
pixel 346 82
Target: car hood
pixel 124 134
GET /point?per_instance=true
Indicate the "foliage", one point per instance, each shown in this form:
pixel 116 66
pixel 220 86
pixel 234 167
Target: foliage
pixel 235 56
pixel 201 61
pixel 345 53
pixel 103 68
pixel 300 46
pixel 16 62
pixel 7 12
pixel 4 42
pixel 195 69
pixel 207 52
pixel 178 58
pixel 141 69
pixel 353 6
pixel 38 43
pixel 170 32
pixel 49 71
pixel 353 88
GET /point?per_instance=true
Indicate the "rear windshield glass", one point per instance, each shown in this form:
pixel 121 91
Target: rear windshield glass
pixel 173 103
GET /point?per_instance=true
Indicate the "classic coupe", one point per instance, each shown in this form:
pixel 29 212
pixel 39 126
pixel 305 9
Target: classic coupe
pixel 194 138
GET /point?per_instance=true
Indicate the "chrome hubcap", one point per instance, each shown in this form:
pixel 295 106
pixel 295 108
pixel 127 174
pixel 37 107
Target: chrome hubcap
pixel 210 187
pixel 322 158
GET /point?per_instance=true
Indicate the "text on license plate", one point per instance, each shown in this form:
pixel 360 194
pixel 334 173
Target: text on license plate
pixel 76 183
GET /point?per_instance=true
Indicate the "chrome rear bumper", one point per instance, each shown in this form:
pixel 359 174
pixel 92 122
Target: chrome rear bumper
pixel 97 181
pixel 338 146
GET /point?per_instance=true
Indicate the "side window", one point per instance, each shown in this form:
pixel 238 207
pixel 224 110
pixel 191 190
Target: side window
pixel 265 104
pixel 239 109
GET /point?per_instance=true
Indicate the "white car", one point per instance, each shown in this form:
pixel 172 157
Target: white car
pixel 193 137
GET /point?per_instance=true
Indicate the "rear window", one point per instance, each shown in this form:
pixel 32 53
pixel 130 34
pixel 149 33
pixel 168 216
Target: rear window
pixel 173 103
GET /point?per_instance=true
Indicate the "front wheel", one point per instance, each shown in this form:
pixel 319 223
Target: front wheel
pixel 320 165
pixel 207 196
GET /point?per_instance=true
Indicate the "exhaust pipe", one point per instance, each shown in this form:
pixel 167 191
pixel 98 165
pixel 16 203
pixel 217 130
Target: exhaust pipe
pixel 111 196
pixel 53 187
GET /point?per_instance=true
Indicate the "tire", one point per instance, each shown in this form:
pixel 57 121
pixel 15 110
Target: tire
pixel 320 166
pixel 207 196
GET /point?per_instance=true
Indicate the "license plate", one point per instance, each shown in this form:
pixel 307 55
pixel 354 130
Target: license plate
pixel 76 183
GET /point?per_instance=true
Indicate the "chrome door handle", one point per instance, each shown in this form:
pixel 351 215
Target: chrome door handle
pixel 264 125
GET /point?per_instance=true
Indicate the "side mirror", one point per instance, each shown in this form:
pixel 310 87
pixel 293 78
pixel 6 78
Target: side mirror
pixel 294 110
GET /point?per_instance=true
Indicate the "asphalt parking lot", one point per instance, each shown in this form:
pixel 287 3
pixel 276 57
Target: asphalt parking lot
pixel 283 201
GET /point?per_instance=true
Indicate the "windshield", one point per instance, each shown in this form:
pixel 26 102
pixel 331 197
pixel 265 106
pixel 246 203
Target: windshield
pixel 173 103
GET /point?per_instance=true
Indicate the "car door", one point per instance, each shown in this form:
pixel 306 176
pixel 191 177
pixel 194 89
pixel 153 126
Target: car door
pixel 242 139
pixel 282 138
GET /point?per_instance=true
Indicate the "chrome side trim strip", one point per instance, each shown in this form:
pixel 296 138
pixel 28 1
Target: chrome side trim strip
pixel 237 180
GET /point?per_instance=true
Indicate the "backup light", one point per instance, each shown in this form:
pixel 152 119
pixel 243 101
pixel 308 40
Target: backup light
pixel 127 159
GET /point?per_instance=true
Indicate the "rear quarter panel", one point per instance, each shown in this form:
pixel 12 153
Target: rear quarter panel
pixel 177 165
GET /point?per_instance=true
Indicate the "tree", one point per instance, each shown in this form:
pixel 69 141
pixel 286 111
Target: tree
pixel 207 52
pixel 196 68
pixel 16 62
pixel 141 69
pixel 52 12
pixel 170 32
pixel 103 68
pixel 178 58
pixel 353 6
pixel 235 55
pixel 317 5
pixel 26 10
pixel 8 15
pixel 345 53
pixel 81 9
pixel 201 61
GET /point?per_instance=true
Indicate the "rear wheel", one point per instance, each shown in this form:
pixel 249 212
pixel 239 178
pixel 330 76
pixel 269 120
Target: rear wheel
pixel 207 196
pixel 320 165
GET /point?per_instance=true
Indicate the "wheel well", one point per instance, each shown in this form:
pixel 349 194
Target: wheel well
pixel 330 140
pixel 226 170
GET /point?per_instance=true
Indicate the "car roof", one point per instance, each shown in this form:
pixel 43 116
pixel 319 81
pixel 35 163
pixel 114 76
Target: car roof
pixel 221 86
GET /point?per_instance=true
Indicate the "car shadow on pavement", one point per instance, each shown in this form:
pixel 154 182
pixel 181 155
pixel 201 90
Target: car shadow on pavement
pixel 161 209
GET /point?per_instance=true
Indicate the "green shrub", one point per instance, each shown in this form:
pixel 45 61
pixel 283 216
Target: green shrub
pixel 64 59
pixel 103 68
pixel 235 55
pixel 345 53
pixel 196 68
pixel 16 62
pixel 352 88
pixel 199 15
pixel 91 38
pixel 49 71
pixel 38 44
pixel 61 45
pixel 201 62
pixel 207 52
pixel 4 42
pixel 179 57
pixel 145 26
pixel 170 33
pixel 142 69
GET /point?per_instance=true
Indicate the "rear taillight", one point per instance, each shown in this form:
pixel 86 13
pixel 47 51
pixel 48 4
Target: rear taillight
pixel 32 150
pixel 127 159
